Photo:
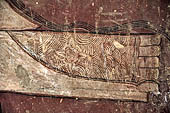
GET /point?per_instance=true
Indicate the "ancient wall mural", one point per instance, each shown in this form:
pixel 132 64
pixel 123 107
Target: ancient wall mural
pixel 94 57
pixel 71 55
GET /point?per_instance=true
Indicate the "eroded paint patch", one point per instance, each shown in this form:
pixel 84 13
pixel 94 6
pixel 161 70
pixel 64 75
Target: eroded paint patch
pixel 23 75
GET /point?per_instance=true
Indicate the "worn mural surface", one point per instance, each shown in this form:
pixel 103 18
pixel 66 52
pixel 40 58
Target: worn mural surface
pixel 100 53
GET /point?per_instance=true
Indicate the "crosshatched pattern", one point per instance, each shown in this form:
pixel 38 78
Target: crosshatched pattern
pixel 112 66
pixel 93 56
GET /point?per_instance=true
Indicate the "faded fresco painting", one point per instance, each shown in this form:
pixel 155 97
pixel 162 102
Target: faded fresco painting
pixel 96 52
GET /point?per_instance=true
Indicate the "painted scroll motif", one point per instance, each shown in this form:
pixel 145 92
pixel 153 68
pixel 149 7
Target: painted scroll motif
pixel 91 56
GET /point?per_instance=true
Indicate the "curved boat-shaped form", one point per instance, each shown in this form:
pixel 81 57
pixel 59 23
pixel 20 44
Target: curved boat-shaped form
pixel 90 56
pixel 85 50
pixel 113 60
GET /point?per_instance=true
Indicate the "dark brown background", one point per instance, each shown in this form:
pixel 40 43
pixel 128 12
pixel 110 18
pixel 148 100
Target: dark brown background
pixel 86 10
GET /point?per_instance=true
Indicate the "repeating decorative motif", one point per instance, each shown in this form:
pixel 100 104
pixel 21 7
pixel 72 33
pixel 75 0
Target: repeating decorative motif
pixel 97 53
pixel 93 56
